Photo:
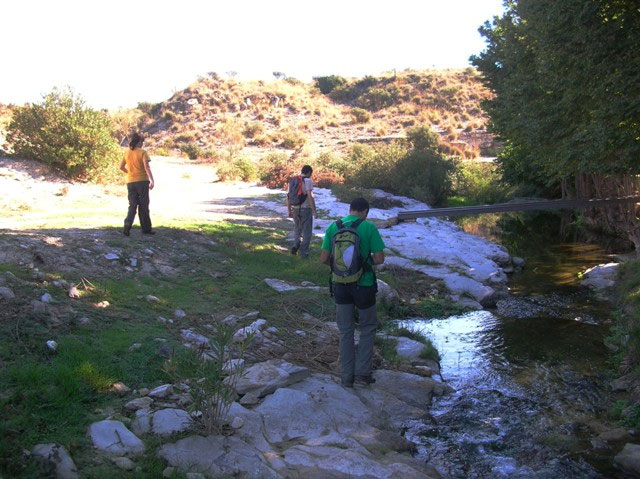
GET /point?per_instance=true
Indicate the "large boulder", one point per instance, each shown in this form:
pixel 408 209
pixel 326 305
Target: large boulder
pixel 216 456
pixel 170 421
pixel 600 277
pixel 412 389
pixel 629 459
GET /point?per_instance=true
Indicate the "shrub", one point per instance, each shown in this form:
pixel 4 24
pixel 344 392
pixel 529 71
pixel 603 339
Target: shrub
pixel 327 84
pixel 480 183
pixel 376 99
pixel 292 140
pixel 160 152
pixel 64 133
pixel 253 129
pixel 237 169
pixel 193 151
pixel 360 115
pixel 275 169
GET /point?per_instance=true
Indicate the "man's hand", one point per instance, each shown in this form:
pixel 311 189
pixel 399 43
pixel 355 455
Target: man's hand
pixel 151 184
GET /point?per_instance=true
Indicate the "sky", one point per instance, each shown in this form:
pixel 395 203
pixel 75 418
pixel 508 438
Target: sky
pixel 118 53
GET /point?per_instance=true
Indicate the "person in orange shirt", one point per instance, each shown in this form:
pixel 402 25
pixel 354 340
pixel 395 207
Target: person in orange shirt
pixel 135 164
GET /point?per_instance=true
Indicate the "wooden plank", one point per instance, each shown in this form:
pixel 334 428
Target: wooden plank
pixel 506 207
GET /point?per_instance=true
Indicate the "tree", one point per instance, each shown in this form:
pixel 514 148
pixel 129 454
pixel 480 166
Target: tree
pixel 62 132
pixel 566 78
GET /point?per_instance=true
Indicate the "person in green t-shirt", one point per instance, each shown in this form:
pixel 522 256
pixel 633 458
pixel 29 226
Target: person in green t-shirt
pixel 360 294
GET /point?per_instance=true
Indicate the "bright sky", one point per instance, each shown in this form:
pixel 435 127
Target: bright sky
pixel 122 52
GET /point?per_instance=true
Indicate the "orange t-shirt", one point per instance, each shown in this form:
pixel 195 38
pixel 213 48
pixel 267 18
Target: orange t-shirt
pixel 135 165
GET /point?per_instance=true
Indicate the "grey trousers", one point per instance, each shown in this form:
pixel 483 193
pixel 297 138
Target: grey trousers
pixel 302 229
pixel 352 362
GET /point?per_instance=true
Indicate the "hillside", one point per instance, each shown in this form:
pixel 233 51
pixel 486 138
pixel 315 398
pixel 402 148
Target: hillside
pixel 214 116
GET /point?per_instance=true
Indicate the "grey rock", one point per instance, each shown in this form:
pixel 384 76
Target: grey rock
pixel 410 388
pixel 59 457
pixel 253 329
pixel 111 256
pixel 231 320
pixel 163 391
pixel 619 434
pixel 120 389
pixel 179 314
pixel 170 421
pixel 138 403
pixel 601 277
pixel 135 346
pixel 151 299
pixel 46 298
pixel 264 378
pixel 6 293
pixel 73 292
pixel 251 316
pixel 386 294
pixel 52 345
pixel 195 339
pixel 114 438
pixel 629 459
pixel 217 456
pixel 518 262
pixel 124 463
pixel 141 424
pixel 408 348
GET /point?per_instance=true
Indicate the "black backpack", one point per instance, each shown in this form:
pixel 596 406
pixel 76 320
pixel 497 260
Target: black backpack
pixel 296 194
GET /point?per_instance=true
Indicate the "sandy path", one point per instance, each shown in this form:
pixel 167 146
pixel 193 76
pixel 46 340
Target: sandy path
pixel 185 191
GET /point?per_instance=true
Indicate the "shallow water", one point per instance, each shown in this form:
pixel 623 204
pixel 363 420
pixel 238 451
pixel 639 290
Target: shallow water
pixel 530 393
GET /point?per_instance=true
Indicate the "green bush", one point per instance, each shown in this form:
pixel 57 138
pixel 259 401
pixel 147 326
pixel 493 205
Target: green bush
pixel 64 133
pixel 292 140
pixel 160 152
pixel 275 169
pixel 415 168
pixel 327 84
pixel 192 151
pixel 480 183
pixel 376 99
pixel 237 169
pixel 360 115
pixel 253 129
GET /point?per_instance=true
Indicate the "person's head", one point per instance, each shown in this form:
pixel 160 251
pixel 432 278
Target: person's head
pixel 359 207
pixel 306 170
pixel 136 141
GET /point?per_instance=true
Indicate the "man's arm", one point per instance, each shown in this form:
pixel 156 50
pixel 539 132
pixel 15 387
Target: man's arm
pixel 123 165
pixel 312 203
pixel 147 168
pixel 378 258
pixel 324 256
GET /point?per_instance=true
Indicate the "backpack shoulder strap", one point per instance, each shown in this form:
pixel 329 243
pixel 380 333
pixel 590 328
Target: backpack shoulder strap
pixel 356 223
pixel 339 224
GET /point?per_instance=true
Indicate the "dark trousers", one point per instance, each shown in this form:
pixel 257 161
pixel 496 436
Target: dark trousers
pixel 139 200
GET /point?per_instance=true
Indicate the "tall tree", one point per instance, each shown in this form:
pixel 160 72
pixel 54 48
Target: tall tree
pixel 566 78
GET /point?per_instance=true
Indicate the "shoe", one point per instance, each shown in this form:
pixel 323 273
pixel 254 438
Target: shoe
pixel 294 250
pixel 365 380
pixel 149 232
pixel 127 230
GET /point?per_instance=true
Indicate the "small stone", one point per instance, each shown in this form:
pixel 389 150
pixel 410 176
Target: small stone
pixel 249 399
pixel 135 346
pixel 124 463
pixel 237 423
pixel 84 320
pixel 46 298
pixel 306 284
pixel 133 262
pixel 152 299
pixel 231 320
pixel 60 283
pixel 138 403
pixel 162 391
pixel 120 389
pixel 300 333
pixel 111 256
pixel 102 304
pixel 57 456
pixel 161 319
pixel 169 472
pixel 73 291
pixel 178 313
pixel 251 315
pixel 143 391
pixel 6 293
pixel 52 345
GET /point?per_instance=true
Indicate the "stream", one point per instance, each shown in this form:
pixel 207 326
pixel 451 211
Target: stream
pixel 530 376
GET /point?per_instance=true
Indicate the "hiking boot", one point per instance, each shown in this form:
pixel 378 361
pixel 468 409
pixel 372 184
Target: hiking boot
pixel 366 380
pixel 150 232
pixel 294 250
pixel 127 229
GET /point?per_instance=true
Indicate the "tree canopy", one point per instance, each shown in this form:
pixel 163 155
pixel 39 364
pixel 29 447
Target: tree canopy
pixel 566 79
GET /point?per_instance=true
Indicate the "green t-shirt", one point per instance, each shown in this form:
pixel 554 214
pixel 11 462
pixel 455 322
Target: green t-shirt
pixel 370 242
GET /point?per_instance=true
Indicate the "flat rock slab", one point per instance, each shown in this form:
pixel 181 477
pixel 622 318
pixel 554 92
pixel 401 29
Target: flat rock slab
pixel 170 421
pixel 412 389
pixel 629 459
pixel 282 286
pixel 218 456
pixel 57 455
pixel 264 378
pixel 113 437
